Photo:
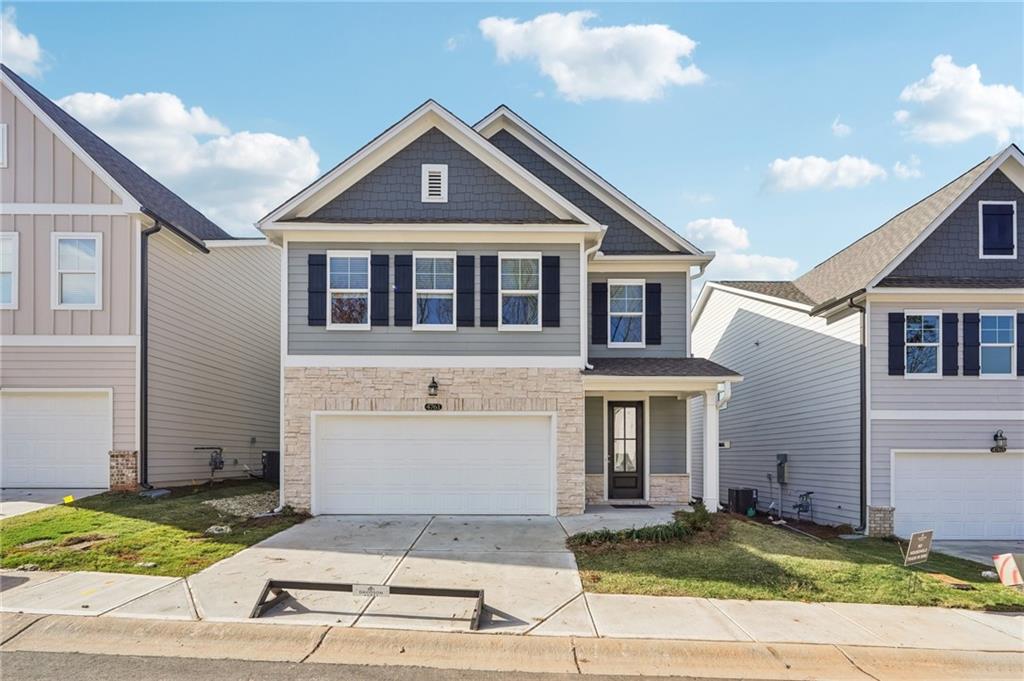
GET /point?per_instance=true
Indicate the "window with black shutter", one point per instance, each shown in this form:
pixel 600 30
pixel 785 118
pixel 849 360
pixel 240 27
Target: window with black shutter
pixel 998 229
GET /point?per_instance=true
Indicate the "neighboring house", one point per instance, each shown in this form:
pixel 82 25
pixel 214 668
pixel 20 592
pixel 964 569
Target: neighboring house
pixel 130 323
pixel 886 372
pixel 475 322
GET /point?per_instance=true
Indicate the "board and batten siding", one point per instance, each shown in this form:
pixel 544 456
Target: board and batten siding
pixel 675 297
pixel 214 357
pixel 800 395
pixel 76 368
pixel 40 167
pixel 945 394
pixel 563 340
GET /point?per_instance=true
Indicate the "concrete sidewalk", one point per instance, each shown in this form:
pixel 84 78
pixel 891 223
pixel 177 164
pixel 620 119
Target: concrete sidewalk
pixel 567 655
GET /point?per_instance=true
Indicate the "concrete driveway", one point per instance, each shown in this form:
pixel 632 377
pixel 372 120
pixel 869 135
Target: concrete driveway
pixel 520 562
pixel 980 550
pixel 15 500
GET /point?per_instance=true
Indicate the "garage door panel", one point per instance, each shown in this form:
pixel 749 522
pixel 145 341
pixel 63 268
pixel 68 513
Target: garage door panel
pixel 433 464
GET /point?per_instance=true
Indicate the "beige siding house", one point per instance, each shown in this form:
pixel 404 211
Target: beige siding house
pixel 91 365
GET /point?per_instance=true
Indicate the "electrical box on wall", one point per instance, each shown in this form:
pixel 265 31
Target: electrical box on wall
pixel 782 468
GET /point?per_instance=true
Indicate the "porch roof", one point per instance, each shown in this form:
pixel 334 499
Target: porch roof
pixel 682 367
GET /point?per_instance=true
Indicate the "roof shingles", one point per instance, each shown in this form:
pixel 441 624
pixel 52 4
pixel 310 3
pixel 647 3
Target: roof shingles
pixel 686 367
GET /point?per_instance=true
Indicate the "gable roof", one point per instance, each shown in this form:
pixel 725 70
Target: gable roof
pixel 785 290
pixel 505 118
pixel 126 177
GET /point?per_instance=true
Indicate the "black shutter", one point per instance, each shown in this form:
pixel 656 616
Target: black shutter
pixel 465 267
pixel 380 291
pixel 652 310
pixel 403 290
pixel 551 282
pixel 896 343
pixel 997 229
pixel 599 313
pixel 972 350
pixel 316 270
pixel 488 290
pixel 1020 343
pixel 950 344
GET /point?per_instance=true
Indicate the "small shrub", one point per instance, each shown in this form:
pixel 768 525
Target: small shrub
pixel 685 525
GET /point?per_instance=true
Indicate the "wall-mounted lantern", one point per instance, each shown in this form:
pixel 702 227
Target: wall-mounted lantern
pixel 1000 442
pixel 432 388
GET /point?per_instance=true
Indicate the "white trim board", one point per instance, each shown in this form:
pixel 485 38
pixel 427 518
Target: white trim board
pixel 65 209
pixel 236 243
pixel 435 361
pixel 42 341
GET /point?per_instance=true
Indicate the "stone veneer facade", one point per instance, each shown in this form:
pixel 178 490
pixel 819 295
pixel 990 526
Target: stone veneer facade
pixel 376 389
pixel 664 489
pixel 881 521
pixel 124 470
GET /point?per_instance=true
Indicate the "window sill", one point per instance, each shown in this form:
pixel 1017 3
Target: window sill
pixel 997 257
pixel 76 307
pixel 998 377
pixel 434 327
pixel 626 346
pixel 922 377
pixel 520 327
pixel 348 327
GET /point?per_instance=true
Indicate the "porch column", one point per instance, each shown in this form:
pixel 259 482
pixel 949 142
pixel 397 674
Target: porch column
pixel 711 450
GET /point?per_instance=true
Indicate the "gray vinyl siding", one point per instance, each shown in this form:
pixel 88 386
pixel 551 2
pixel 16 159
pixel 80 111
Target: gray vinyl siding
pixel 675 299
pixel 952 250
pixel 800 395
pixel 668 435
pixel 78 367
pixel 465 341
pixel 594 434
pixel 214 357
pixel 392 191
pixel 697 446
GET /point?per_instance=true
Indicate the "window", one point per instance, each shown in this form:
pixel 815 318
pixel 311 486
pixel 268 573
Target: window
pixel 348 290
pixel 626 313
pixel 434 183
pixel 433 290
pixel 9 271
pixel 997 229
pixel 519 291
pixel 77 271
pixel 998 343
pixel 923 334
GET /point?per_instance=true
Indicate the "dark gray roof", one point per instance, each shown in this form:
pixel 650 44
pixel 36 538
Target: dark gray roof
pixel 150 194
pixel 656 366
pixel 786 290
pixel 953 282
pixel 441 221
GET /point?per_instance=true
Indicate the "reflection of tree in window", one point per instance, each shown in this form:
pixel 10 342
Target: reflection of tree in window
pixel 922 344
pixel 626 309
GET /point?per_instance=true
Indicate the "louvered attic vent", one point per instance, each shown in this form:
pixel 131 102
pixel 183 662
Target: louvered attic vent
pixel 434 183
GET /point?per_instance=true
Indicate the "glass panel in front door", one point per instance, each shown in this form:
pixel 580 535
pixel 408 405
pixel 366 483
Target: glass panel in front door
pixel 624 439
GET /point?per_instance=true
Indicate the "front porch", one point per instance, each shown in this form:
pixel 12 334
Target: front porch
pixel 640 440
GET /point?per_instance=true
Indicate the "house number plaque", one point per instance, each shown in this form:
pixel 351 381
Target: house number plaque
pixel 432 406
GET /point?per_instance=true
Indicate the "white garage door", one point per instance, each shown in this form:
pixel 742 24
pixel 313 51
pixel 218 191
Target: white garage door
pixel 960 496
pixel 434 463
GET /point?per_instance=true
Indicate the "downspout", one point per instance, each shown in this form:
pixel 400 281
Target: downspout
pixel 144 355
pixel 863 413
pixel 584 289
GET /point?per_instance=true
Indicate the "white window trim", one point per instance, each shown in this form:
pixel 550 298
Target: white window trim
pixel 938 354
pixel 13 238
pixel 55 239
pixel 3 145
pixel 642 283
pixel 332 326
pixel 425 171
pixel 981 230
pixel 522 255
pixel 416 325
pixel 1012 314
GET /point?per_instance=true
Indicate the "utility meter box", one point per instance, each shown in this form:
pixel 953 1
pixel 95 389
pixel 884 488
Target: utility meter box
pixel 782 468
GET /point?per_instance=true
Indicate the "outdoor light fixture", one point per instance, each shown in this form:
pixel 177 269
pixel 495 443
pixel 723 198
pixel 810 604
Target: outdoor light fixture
pixel 432 389
pixel 1000 442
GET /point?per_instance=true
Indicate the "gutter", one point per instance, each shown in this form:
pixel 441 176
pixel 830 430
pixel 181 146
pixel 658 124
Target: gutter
pixel 863 411
pixel 584 289
pixel 829 304
pixel 192 241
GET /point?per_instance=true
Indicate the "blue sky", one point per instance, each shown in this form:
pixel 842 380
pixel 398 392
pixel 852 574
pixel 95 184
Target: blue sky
pixel 775 78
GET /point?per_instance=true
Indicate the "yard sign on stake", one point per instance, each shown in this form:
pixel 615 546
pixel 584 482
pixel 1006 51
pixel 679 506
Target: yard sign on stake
pixel 919 548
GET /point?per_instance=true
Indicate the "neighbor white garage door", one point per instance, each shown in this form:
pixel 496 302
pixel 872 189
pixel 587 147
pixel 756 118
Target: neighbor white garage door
pixel 433 463
pixel 55 439
pixel 960 496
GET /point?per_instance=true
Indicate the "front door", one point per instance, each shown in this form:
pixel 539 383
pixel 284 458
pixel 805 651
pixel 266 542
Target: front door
pixel 625 450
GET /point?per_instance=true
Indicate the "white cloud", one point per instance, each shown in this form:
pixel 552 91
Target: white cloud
pixel 20 51
pixel 233 177
pixel 635 62
pixel 840 129
pixel 908 171
pixel 451 44
pixel 953 105
pixel 814 172
pixel 728 240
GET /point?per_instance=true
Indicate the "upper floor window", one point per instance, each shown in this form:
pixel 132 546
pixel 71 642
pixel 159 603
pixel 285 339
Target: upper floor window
pixel 77 261
pixel 923 335
pixel 434 290
pixel 997 343
pixel 998 229
pixel 348 289
pixel 626 313
pixel 519 291
pixel 434 183
pixel 9 271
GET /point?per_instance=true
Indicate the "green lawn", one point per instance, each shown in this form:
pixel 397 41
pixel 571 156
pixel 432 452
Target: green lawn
pixel 113 532
pixel 760 562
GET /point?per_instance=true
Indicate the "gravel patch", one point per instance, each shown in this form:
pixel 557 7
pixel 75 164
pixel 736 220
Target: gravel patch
pixel 247 505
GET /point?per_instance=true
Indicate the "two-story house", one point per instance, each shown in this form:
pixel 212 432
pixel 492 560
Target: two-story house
pixel 891 375
pixel 134 329
pixel 473 321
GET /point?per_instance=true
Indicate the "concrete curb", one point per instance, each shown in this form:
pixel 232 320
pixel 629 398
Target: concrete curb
pixel 341 645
